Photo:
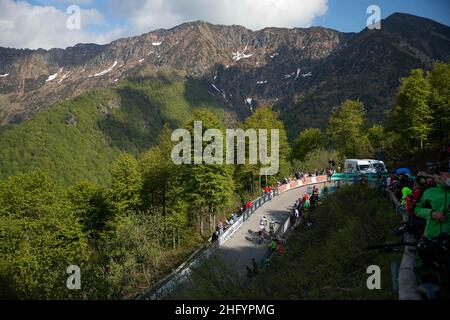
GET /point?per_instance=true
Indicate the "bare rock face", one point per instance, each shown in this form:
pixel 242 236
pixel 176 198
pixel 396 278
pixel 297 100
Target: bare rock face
pixel 300 71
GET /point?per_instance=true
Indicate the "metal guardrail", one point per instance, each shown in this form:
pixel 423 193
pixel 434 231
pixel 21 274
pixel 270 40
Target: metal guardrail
pixel 407 281
pixel 355 177
pixel 168 283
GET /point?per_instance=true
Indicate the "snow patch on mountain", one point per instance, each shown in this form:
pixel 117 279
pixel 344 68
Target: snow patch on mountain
pixel 238 56
pixel 104 71
pixel 156 43
pixel 241 55
pixel 4 75
pixel 224 95
pixel 52 77
pixel 64 76
pixel 216 88
pixel 298 73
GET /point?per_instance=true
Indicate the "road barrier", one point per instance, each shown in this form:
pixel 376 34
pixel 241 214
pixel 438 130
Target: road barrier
pixel 163 287
pixel 407 281
pixel 355 177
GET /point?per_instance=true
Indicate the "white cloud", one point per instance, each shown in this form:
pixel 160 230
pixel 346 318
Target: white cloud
pixel 23 25
pixel 145 15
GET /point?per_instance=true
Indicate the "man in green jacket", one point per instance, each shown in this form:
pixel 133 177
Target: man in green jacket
pixel 434 207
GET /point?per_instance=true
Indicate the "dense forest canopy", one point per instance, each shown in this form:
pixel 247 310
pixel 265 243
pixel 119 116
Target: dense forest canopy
pixel 90 181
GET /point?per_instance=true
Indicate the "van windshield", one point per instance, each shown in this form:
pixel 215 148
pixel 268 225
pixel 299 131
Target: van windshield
pixel 364 167
pixel 378 165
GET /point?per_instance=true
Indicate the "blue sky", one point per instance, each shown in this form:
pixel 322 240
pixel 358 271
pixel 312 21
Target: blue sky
pixel 349 15
pixel 42 23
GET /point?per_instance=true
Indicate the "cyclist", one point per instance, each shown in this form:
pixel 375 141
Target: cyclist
pixel 260 237
pixel 263 223
pixel 271 225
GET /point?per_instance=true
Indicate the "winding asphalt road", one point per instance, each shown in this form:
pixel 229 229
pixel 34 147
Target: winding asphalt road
pixel 237 249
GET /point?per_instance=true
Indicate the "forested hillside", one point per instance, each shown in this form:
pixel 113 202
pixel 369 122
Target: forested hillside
pixel 80 138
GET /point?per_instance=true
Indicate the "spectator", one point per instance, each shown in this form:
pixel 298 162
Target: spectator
pixel 272 225
pixel 405 193
pixel 292 219
pixel 313 200
pixel 280 248
pixel 315 192
pixel 214 239
pixel 434 207
pixel 220 227
pixel 388 183
pixel 273 245
pixel 297 214
pixel 325 190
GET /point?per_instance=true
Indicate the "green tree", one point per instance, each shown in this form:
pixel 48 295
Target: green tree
pixel 39 238
pixel 376 135
pixel 159 173
pixel 126 184
pixel 346 129
pixel 207 187
pixel 307 141
pixel 162 188
pixel 266 118
pixel 317 159
pixel 412 113
pixel 89 202
pixel 439 79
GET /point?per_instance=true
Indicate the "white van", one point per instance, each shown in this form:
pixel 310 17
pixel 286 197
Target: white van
pixel 358 166
pixel 378 165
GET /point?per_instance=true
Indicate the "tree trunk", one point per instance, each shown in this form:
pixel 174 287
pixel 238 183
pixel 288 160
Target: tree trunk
pixel 164 200
pixel 210 221
pixel 201 223
pixel 174 240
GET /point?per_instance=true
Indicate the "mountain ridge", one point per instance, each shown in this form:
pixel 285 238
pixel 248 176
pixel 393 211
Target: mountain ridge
pixel 298 70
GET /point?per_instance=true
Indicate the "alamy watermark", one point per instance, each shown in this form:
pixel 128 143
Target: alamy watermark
pixel 374 280
pixel 374 20
pixel 73 22
pixel 74 280
pixel 213 153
